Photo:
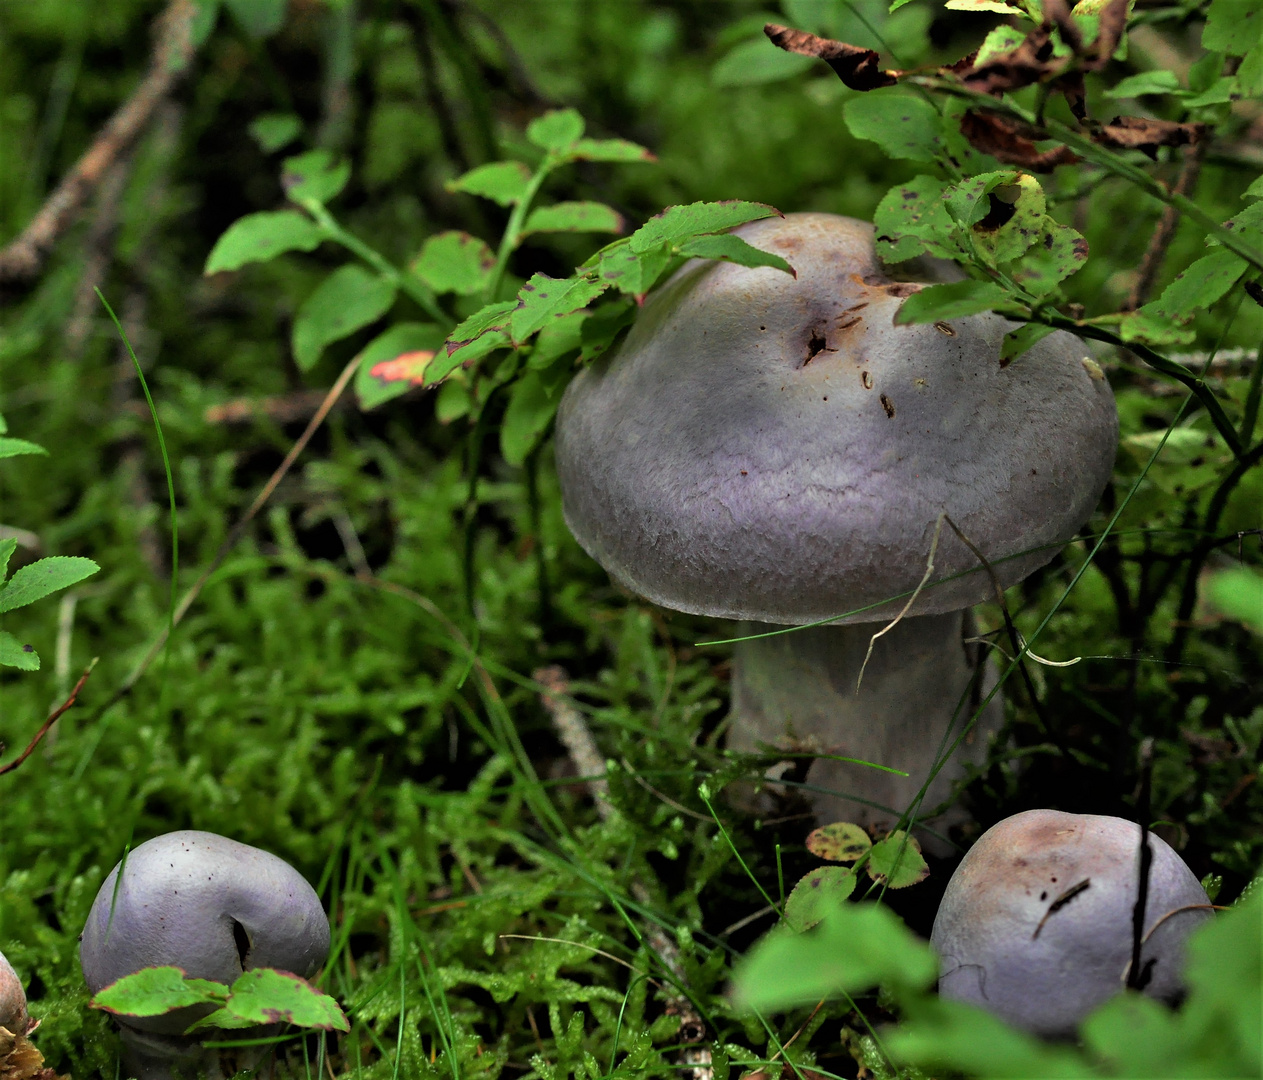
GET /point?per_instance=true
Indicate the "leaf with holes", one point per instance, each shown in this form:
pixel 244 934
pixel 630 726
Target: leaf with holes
pixel 574 217
pixel 816 894
pixel 543 298
pixel 953 301
pixel 17 654
pixel 557 130
pixel 733 249
pixel 347 300
pixel 1014 221
pixel 999 42
pixel 840 842
pixel 679 223
pixel 905 126
pixel 395 361
pixel 38 579
pixel 503 182
pixel 260 237
pixel 156 991
pixel 454 262
pixel 897 861
pixel 314 175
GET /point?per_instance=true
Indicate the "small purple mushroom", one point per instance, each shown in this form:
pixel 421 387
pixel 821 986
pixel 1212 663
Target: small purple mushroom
pixel 210 906
pixel 1036 924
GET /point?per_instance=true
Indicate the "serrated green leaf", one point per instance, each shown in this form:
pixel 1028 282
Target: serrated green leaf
pixel 733 249
pixel 912 219
pixel 156 991
pixel 454 262
pixel 314 175
pixel 840 842
pixel 631 272
pixel 756 62
pixel 557 130
pixel 275 131
pixel 1018 341
pixel 954 301
pixel 527 416
pixel 1250 73
pixel 260 237
pixel 395 361
pixel 1153 327
pixel 1233 26
pixel 503 182
pixel 36 580
pixel 904 125
pixel 265 996
pixel 1001 40
pixel 816 894
pixel 1199 286
pixel 543 298
pixel 483 332
pixel 856 947
pixel 574 217
pixel 18 447
pixel 897 861
pixel 1255 190
pixel 679 223
pixel 1057 253
pixel 17 654
pixel 609 150
pixel 347 300
pixel 8 546
pixel 604 326
pixel 1147 82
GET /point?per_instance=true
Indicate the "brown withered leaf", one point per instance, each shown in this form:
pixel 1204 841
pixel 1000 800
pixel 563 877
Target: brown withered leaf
pixel 855 66
pixel 1031 62
pixel 1142 133
pixel 19 1060
pixel 1012 142
pixel 1057 13
pixel 1113 23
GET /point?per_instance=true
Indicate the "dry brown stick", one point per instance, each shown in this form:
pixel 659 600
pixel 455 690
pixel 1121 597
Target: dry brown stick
pixel 98 254
pixel 1155 253
pixel 24 257
pixel 53 717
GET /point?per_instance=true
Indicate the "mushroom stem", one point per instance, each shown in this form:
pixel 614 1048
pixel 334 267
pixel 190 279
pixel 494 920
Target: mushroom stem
pixel 798 690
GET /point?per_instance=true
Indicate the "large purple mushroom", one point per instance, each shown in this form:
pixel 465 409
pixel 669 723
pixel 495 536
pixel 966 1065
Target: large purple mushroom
pixel 775 450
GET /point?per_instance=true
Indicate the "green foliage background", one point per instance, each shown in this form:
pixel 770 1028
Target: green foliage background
pixel 353 689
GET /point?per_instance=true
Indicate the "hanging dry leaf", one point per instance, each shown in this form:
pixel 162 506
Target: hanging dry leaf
pixel 855 66
pixel 1012 142
pixel 20 1060
pixel 1144 134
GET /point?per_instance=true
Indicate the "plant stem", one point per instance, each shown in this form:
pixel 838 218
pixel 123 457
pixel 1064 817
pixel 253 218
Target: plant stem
pixel 513 230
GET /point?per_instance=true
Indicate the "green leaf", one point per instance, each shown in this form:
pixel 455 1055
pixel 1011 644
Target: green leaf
pixel 454 262
pixel 1022 200
pixel 840 842
pixel 503 182
pixel 678 223
pixel 1057 253
pixel 954 301
pixel 733 249
pixel 1255 190
pixel 1220 92
pixel 347 300
pixel 631 272
pixel 912 219
pixel 1191 458
pixel 557 130
pixel 529 412
pixel 1147 82
pixel 1237 594
pixel 38 579
pixel 544 298
pixel 1018 341
pixel 603 327
pixel 18 447
pixel 1250 73
pixel 314 175
pixel 856 947
pixel 395 361
pixel 1153 327
pixel 263 236
pixel 1233 26
pixel 1001 40
pixel 264 996
pixel 483 332
pixel 16 654
pixel 558 337
pixel 904 125
pixel 1204 282
pixel 756 62
pixel 8 546
pixel 258 18
pixel 574 217
pixel 609 150
pixel 817 893
pixel 897 861
pixel 275 131
pixel 156 991
pixel 452 401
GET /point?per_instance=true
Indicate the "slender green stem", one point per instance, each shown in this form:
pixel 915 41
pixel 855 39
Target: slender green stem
pixel 405 282
pixel 513 230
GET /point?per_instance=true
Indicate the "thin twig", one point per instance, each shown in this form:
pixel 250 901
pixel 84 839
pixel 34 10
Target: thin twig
pixel 98 254
pixel 1155 253
pixel 52 719
pixel 24 257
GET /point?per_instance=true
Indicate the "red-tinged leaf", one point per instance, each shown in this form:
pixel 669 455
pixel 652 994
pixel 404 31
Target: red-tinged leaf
pixel 855 66
pixel 1144 134
pixel 395 361
pixel 1012 142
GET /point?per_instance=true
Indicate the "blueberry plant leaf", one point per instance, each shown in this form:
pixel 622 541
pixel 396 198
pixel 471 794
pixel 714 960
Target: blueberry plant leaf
pixel 1001 40
pixel 275 131
pixel 544 298
pixel 842 841
pixel 156 991
pixel 678 223
pixel 395 361
pixel 733 249
pixel 266 996
pixel 17 654
pixel 557 130
pixel 897 861
pixel 347 300
pixel 752 63
pixel 503 182
pixel 1018 341
pixel 904 125
pixel 617 150
pixel 533 401
pixel 816 894
pixel 10 447
pixel 8 545
pixel 1237 594
pixel 953 301
pixel 912 219
pixel 263 236
pixel 315 175
pixel 1058 252
pixel 454 262
pixel 1201 284
pixel 631 272
pixel 483 332
pixel 574 217
pixel 39 579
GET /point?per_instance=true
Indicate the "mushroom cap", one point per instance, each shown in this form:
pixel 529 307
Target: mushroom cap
pixel 208 905
pixel 1007 887
pixel 13 1014
pixel 775 449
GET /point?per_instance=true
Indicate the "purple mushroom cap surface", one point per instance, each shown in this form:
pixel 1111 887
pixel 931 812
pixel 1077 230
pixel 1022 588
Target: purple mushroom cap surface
pixel 13 1014
pixel 775 449
pixel 208 905
pixel 1036 923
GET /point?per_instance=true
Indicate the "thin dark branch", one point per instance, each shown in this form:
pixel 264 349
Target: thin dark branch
pixel 53 717
pixel 1155 254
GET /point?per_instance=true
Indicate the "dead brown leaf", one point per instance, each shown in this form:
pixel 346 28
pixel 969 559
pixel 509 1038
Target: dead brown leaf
pixel 1031 62
pixel 1144 134
pixel 1113 23
pixel 855 66
pixel 20 1060
pixel 1012 142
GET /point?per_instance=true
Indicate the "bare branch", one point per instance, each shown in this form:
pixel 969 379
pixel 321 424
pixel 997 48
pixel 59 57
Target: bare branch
pixel 53 717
